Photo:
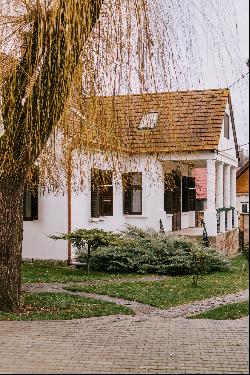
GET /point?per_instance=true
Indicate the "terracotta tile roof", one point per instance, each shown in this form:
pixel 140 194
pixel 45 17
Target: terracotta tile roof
pixel 188 120
pixel 241 170
pixel 7 63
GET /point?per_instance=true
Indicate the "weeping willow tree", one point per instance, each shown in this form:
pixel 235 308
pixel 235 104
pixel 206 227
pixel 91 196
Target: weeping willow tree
pixel 33 97
pixel 52 54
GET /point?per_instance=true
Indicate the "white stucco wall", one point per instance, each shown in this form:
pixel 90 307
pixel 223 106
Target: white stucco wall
pixel 53 215
pixel 191 217
pixel 227 146
pixel 152 197
pixel 242 199
pixel 184 220
pixel 52 219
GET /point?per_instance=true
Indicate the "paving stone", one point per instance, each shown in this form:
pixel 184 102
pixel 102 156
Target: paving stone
pixel 153 341
pixel 110 345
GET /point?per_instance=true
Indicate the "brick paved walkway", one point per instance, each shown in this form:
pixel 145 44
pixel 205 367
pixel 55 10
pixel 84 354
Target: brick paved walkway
pixel 123 345
pixel 151 342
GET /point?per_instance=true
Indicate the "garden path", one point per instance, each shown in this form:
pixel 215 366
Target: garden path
pixel 140 308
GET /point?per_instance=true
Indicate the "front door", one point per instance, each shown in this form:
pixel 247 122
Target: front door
pixel 177 202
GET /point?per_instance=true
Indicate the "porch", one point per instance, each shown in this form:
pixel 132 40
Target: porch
pixel 190 232
pixel 220 215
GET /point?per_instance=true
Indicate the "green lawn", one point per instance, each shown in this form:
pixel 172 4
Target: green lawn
pixel 230 311
pixel 178 290
pixel 60 306
pixel 49 272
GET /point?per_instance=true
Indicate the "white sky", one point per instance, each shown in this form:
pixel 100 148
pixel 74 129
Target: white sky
pixel 241 95
pixel 223 71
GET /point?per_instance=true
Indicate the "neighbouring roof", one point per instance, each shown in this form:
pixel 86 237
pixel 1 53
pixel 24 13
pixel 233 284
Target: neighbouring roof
pixel 242 169
pixel 187 121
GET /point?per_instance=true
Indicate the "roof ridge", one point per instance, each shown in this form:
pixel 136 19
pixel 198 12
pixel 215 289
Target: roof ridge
pixel 221 90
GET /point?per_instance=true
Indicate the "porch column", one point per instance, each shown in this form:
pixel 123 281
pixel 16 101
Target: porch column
pixel 220 193
pixel 210 214
pixel 234 195
pixel 227 194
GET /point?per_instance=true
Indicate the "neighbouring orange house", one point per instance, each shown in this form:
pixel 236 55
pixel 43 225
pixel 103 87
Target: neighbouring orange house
pixel 242 188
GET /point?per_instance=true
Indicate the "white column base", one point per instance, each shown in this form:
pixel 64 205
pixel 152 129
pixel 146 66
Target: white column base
pixel 236 219
pixel 210 219
pixel 229 220
pixel 191 218
pixel 222 222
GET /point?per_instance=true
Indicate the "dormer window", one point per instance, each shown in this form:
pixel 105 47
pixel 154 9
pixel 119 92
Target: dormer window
pixel 149 120
pixel 226 126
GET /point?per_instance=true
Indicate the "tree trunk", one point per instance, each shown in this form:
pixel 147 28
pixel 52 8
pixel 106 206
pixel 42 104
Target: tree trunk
pixel 11 236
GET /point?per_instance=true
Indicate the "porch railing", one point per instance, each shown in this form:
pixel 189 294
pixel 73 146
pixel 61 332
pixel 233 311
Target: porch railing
pixel 162 230
pixel 205 236
pixel 226 220
pixel 233 217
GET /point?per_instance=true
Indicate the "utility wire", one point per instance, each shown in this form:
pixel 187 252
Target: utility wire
pixel 216 95
pixel 232 148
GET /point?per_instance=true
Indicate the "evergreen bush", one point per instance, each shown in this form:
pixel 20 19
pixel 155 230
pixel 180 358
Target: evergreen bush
pixel 147 251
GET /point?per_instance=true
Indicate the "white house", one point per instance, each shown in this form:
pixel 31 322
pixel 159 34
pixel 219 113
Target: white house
pixel 163 137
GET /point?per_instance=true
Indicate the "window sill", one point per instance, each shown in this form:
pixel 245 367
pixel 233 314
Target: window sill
pixel 169 215
pixel 96 219
pixel 136 216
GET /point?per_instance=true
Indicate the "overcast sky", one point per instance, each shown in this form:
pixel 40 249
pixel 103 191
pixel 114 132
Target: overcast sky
pixel 228 69
pixel 241 95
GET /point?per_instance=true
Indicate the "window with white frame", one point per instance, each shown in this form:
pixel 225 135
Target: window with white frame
pixel 132 193
pixel 101 193
pixel 245 207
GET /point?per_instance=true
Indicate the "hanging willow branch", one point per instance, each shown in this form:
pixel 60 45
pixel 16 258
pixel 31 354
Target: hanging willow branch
pixel 35 94
pixel 68 59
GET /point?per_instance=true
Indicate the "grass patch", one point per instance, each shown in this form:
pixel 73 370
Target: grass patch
pixel 61 306
pixel 178 290
pixel 230 311
pixel 49 272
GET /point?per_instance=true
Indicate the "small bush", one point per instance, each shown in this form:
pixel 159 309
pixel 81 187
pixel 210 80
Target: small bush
pixel 147 251
pixel 84 241
pixel 245 251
